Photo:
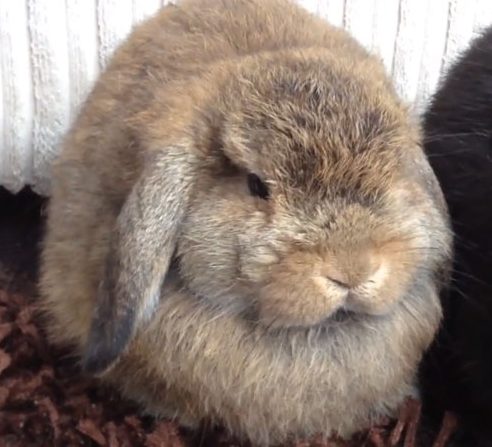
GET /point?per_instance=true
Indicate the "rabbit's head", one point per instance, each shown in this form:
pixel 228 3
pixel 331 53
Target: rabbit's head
pixel 289 189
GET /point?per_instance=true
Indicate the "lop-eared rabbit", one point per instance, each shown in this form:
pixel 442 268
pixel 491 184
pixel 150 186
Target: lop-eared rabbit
pixel 244 228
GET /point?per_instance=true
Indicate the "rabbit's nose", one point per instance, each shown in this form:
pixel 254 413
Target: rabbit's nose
pixel 349 271
pixel 340 283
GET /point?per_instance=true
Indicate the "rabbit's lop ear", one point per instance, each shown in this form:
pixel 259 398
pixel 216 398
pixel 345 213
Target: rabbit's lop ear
pixel 142 245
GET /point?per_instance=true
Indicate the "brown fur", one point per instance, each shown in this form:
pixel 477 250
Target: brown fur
pixel 307 312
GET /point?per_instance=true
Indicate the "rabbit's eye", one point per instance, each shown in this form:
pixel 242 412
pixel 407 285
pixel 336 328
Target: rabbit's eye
pixel 257 187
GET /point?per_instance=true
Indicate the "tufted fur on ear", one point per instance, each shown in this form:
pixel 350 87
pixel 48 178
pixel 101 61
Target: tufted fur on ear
pixel 141 248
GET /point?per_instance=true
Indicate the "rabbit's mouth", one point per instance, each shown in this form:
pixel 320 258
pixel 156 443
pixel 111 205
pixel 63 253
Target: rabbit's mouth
pixel 341 315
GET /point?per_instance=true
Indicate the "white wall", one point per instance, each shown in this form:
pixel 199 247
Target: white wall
pixel 52 50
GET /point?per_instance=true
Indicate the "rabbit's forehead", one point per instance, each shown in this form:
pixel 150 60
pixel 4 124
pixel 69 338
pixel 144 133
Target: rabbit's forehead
pixel 323 167
pixel 317 186
pixel 318 133
pixel 293 144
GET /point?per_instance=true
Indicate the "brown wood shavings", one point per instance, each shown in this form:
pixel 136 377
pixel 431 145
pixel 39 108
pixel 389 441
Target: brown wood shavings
pixel 449 425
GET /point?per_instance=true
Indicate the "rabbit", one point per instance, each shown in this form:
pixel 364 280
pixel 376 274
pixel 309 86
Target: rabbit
pixel 243 227
pixel 457 125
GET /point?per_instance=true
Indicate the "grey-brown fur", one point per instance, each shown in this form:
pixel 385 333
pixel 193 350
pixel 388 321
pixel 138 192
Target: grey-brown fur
pixel 249 325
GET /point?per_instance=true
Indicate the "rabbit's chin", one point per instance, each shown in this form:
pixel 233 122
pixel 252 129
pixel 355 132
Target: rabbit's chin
pixel 339 319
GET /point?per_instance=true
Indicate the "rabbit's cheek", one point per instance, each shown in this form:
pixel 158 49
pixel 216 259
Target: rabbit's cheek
pixel 380 293
pixel 256 263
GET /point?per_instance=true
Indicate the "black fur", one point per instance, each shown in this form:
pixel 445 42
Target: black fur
pixel 457 371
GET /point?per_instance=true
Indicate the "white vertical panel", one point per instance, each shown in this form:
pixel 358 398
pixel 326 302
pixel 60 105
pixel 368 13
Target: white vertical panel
pixel 49 60
pixel 310 5
pixel 436 25
pixel 142 9
pixel 114 21
pixel 483 15
pixel 331 10
pixel 385 27
pixel 460 29
pixel 82 49
pixel 16 80
pixel 359 20
pixel 408 47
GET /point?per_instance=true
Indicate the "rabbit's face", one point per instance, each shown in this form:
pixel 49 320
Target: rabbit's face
pixel 319 205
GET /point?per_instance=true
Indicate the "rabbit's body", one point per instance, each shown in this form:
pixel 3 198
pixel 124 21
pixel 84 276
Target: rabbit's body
pixel 458 130
pixel 303 309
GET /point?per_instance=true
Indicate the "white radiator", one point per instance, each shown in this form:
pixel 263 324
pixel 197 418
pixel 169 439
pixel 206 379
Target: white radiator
pixel 52 50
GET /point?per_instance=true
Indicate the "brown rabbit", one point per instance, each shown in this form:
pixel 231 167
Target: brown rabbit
pixel 243 226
